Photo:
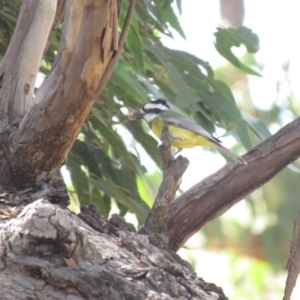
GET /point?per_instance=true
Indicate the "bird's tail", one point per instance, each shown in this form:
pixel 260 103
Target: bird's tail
pixel 230 153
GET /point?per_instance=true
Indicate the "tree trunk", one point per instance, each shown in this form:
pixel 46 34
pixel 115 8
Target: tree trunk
pixel 37 133
pixel 49 253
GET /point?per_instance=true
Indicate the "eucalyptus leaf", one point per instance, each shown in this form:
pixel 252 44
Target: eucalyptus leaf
pixel 228 38
pixel 123 196
pixel 257 126
pixel 243 134
pixel 135 46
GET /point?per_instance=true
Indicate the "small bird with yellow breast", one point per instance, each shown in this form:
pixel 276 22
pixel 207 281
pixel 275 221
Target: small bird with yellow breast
pixel 184 133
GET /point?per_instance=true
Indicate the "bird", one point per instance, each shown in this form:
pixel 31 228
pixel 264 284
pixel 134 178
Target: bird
pixel 183 133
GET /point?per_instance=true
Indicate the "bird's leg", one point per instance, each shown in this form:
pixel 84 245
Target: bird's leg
pixel 178 150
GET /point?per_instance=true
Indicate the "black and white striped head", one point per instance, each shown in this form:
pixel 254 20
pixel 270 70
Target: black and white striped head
pixel 152 109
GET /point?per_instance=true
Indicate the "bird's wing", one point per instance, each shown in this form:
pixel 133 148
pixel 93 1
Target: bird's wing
pixel 185 123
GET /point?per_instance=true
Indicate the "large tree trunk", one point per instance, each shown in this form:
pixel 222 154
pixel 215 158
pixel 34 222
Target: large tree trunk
pixel 49 253
pixel 36 133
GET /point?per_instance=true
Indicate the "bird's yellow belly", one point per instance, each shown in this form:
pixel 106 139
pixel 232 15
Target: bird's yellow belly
pixel 181 138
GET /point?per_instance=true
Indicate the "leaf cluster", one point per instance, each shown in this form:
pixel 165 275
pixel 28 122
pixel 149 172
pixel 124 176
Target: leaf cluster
pixel 105 163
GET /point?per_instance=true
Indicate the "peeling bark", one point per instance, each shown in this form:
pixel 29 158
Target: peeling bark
pixel 85 59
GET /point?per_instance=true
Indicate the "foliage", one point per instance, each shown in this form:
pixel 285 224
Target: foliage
pixel 8 19
pixel 105 163
pixel 228 38
pixel 110 146
pixel 101 164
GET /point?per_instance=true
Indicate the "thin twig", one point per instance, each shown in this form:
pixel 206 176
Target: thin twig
pixel 293 265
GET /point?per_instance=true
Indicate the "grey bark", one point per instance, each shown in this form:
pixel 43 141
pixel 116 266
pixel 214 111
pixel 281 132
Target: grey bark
pixel 47 252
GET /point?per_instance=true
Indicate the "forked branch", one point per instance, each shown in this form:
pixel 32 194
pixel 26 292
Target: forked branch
pixel 89 48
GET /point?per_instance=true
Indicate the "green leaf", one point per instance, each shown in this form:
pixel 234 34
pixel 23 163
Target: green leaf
pixel 188 63
pixel 134 44
pixel 225 105
pixel 147 14
pixel 171 78
pixel 227 38
pixel 243 134
pixel 147 141
pixel 103 202
pixel 247 37
pixel 166 13
pixel 178 2
pixel 80 182
pixel 257 126
pixel 125 76
pixel 114 140
pixel 5 15
pixel 123 196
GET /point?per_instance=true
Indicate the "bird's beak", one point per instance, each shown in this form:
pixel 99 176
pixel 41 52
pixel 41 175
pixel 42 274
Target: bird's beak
pixel 134 114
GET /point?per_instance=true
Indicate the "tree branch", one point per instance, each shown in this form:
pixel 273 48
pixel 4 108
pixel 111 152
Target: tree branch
pixel 58 16
pixel 63 102
pixel 21 63
pixel 217 193
pixel 172 173
pixel 293 265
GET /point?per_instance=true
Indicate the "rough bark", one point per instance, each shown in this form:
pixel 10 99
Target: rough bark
pixel 49 253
